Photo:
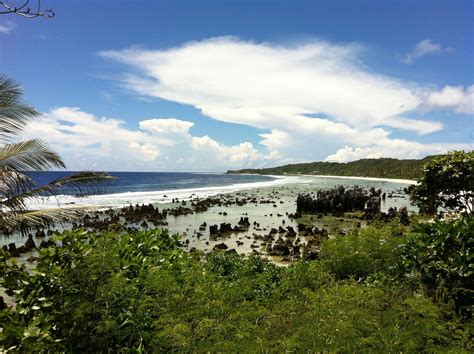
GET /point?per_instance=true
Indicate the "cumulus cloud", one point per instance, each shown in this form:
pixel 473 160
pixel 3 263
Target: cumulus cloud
pixel 424 48
pixel 237 155
pixel 458 98
pixel 309 99
pixel 166 125
pixel 87 141
pixel 7 27
pixel 269 86
pixel 396 148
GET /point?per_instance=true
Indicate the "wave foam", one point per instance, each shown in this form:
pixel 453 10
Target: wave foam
pixel 154 197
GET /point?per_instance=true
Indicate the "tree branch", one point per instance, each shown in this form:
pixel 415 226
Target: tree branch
pixel 25 11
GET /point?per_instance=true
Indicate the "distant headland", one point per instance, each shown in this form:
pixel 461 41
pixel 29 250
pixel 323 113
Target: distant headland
pixel 378 168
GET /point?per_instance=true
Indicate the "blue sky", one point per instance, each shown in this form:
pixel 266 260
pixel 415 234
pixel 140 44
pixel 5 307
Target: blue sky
pixel 212 85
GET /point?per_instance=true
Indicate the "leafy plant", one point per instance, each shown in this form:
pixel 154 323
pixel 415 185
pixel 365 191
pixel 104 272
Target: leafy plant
pixel 362 252
pixel 442 253
pixel 16 158
pixel 448 182
pixel 140 292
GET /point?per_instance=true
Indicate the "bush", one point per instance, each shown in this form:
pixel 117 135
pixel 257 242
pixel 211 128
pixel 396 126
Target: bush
pixel 447 182
pixel 361 252
pixel 442 252
pixel 119 292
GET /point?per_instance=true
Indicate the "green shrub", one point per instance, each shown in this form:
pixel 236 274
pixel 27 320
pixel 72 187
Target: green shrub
pixel 442 252
pixel 361 252
pixel 119 292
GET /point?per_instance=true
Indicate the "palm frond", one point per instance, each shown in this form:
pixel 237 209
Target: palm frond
pixel 14 114
pixel 27 220
pixel 16 187
pixel 29 155
pixel 81 183
pixel 14 183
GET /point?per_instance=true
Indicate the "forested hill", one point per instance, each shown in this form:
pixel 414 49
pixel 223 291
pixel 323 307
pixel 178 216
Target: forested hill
pixel 383 168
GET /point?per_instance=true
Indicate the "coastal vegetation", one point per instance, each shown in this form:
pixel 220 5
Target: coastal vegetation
pixel 447 182
pixel 388 286
pixel 380 168
pixel 376 289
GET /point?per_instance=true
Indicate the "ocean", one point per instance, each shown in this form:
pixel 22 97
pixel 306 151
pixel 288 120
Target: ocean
pixel 129 182
pixel 150 187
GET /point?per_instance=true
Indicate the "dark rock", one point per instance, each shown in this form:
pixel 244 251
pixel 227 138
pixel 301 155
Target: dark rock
pixel 244 222
pixel 13 250
pixel 30 244
pixel 213 230
pixel 3 305
pixel 290 232
pixel 279 250
pixel 225 228
pixel 221 246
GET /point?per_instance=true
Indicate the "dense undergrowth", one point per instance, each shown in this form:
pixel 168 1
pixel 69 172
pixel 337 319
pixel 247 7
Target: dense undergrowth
pixel 383 288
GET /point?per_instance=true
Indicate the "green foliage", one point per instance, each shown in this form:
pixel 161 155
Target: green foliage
pixel 120 292
pixel 382 168
pixel 442 252
pixel 16 187
pixel 448 182
pixel 362 252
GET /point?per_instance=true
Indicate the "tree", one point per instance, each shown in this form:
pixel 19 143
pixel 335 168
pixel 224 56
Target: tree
pixel 447 182
pixel 17 158
pixel 24 9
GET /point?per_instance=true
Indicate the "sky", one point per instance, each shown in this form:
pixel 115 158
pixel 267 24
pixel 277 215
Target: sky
pixel 207 86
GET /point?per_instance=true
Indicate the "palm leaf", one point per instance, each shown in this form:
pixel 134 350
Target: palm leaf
pixel 82 183
pixel 25 221
pixel 13 183
pixel 29 155
pixel 14 114
pixel 16 187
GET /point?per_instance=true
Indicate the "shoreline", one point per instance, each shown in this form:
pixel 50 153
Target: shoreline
pixel 379 179
pixel 376 179
pixel 166 196
pixel 154 197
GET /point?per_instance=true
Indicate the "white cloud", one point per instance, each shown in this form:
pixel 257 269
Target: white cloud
pixel 165 144
pixel 311 99
pixel 276 139
pixel 424 48
pixel 70 131
pixel 166 125
pixel 237 155
pixel 455 97
pixel 397 148
pixel 7 27
pixel 272 87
